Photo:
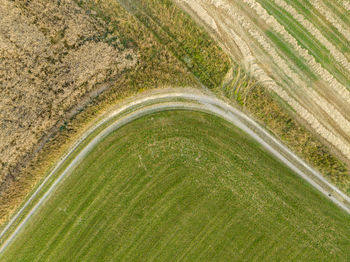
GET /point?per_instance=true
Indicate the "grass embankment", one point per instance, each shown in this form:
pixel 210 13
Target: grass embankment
pixel 183 185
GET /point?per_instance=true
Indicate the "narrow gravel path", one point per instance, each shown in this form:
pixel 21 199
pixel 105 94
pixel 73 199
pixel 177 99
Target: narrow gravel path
pixel 170 99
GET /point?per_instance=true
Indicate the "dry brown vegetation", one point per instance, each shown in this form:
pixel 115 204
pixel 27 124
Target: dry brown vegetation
pixel 50 58
pixel 57 58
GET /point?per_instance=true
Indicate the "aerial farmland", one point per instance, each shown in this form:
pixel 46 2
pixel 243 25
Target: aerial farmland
pixel 186 130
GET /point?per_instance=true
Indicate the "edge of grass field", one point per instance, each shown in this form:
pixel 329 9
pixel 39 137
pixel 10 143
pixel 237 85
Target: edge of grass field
pixel 54 176
pixel 189 68
pixel 70 154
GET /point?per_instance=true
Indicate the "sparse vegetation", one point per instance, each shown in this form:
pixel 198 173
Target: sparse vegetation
pixel 187 41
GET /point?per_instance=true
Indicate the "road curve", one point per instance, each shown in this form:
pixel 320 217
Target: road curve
pixel 160 100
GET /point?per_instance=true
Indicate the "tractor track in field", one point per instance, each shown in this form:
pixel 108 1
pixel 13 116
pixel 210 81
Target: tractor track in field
pixel 156 101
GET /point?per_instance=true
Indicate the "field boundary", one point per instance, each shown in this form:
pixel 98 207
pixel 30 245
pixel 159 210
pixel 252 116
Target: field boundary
pixel 155 101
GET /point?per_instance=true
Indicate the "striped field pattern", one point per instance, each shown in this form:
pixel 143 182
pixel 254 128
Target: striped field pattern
pixel 299 49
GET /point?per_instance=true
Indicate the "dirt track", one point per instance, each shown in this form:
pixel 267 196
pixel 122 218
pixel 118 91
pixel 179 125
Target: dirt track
pixel 239 26
pixel 169 99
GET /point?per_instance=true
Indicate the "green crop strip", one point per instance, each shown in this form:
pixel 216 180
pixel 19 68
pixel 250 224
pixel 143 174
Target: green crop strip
pixel 287 50
pixel 305 40
pixel 331 33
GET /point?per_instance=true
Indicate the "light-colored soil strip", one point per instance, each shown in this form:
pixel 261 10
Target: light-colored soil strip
pixel 338 56
pixel 331 18
pixel 261 75
pixel 328 45
pixel 315 66
pixel 324 104
pixel 338 10
pixel 341 121
pixel 345 4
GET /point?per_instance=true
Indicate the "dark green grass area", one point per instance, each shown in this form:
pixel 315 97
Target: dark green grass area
pixel 183 186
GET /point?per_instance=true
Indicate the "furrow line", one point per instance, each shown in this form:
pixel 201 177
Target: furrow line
pixel 331 18
pixel 313 64
pixel 261 76
pixel 338 56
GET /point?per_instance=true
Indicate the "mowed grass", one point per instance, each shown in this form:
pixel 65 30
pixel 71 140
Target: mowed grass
pixel 183 186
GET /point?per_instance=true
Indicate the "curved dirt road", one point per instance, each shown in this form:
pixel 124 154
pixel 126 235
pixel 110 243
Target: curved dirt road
pixel 169 99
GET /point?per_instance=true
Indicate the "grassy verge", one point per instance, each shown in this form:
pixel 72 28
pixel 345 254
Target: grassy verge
pixel 183 185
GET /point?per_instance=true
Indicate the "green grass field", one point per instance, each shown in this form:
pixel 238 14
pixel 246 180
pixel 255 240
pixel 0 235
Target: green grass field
pixel 183 186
